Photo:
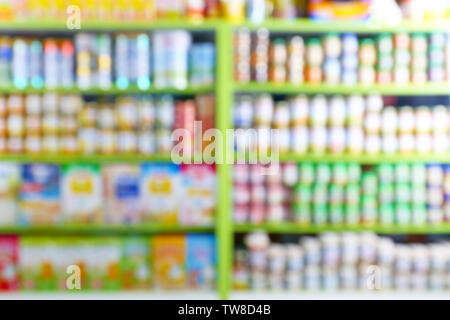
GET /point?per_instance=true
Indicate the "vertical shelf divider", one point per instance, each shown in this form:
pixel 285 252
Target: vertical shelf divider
pixel 224 102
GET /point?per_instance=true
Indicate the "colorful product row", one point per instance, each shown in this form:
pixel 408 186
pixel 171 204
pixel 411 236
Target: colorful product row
pixel 399 58
pixel 105 263
pixel 234 10
pixel 164 59
pixel 128 124
pixel 339 194
pixel 341 262
pixel 336 125
pixel 42 194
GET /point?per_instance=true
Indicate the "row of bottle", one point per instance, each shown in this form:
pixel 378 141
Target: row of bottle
pixel 163 59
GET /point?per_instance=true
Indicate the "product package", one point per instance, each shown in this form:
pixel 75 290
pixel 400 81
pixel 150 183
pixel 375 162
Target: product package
pixel 39 194
pixel 9 254
pixel 122 194
pixel 199 199
pixel 37 263
pixel 135 265
pixel 103 263
pixel 201 260
pixel 9 183
pixel 169 261
pixel 160 192
pixel 82 193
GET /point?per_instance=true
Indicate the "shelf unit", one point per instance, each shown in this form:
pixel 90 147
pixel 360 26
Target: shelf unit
pixel 225 89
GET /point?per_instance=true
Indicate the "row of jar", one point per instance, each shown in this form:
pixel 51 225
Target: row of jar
pixel 399 58
pixel 340 261
pixel 343 194
pixel 73 124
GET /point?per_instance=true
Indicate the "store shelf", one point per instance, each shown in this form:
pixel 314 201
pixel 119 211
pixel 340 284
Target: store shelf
pixel 122 295
pixel 60 25
pixel 309 26
pixel 95 158
pixel 392 89
pixel 193 90
pixel 350 158
pixel 95 229
pixel 275 25
pixel 341 295
pixel 294 228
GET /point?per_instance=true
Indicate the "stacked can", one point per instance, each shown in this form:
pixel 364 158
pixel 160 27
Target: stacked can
pixel 419 48
pixel 314 60
pixel 14 124
pixel 259 198
pixel 436 57
pixel 367 60
pixel 126 114
pixel 354 119
pixel 258 244
pixel 146 125
pixel 106 122
pixel 349 59
pixel 295 62
pixel 70 106
pixel 260 56
pixel 348 272
pixel 94 63
pixel 241 276
pixel 201 64
pixel 242 54
pixel 312 261
pixel 277 61
pixel 384 59
pixel 330 247
pixel 50 123
pixel 369 203
pixel 372 124
pixel 299 115
pixel 281 121
pixel 317 123
pixel 403 193
pixel 345 261
pixel 87 133
pixel 435 193
pixel 5 61
pixel 401 58
pixel 132 60
pixel 165 110
pixel 331 64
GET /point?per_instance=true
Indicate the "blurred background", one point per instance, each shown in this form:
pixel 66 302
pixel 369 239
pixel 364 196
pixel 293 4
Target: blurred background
pixel 94 204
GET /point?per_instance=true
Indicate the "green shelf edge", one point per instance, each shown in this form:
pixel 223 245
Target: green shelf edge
pixel 276 25
pixel 111 91
pixel 307 25
pixel 103 229
pixel 60 25
pixel 395 90
pixel 63 159
pixel 361 158
pixel 293 228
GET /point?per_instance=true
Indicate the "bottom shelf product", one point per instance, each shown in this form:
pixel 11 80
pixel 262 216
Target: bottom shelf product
pixel 341 261
pixel 106 263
